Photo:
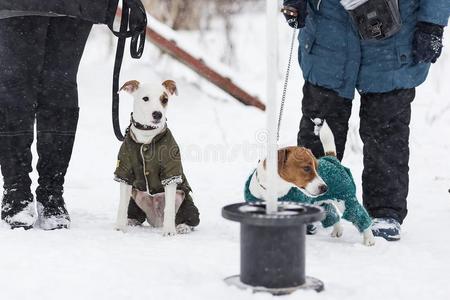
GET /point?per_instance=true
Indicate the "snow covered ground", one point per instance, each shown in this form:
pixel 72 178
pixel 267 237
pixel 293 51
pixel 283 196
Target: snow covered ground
pixel 221 141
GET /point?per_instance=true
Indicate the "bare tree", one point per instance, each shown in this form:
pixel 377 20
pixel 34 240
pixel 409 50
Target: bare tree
pixel 198 15
pixel 191 14
pixel 178 14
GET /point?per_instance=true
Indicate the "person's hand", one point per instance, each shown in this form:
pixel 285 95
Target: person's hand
pixel 427 42
pixel 295 12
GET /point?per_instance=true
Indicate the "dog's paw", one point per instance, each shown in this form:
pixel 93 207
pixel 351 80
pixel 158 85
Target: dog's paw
pixel 184 229
pixel 169 231
pixel 121 227
pixel 368 238
pixel 369 242
pixel 338 231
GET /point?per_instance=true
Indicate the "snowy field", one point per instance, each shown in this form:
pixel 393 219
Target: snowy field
pixel 221 141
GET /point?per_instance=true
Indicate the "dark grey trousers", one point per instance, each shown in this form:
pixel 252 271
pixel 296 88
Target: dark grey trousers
pixel 39 58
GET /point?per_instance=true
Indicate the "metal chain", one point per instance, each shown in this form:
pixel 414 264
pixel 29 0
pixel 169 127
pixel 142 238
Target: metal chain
pixel 286 81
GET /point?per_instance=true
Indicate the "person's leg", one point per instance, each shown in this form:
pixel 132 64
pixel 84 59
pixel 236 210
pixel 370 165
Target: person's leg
pixel 57 115
pixel 21 57
pixel 384 130
pixel 322 103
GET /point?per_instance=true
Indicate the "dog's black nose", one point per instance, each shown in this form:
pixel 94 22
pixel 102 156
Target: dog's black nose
pixel 157 115
pixel 323 189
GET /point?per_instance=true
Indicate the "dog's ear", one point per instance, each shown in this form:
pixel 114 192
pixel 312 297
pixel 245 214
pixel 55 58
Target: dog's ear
pixel 309 152
pixel 171 87
pixel 130 86
pixel 282 157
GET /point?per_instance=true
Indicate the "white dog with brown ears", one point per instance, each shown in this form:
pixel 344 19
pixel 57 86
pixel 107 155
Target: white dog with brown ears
pixel 325 181
pixel 149 143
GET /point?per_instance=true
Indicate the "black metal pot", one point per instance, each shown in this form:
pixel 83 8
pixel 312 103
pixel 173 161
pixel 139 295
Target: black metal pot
pixel 273 246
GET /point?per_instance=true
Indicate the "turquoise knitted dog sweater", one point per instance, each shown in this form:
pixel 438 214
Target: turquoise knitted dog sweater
pixel 341 187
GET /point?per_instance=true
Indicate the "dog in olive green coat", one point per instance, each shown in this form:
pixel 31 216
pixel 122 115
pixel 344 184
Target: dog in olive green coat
pixel 149 166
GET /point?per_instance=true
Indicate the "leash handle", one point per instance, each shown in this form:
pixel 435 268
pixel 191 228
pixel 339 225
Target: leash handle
pixel 286 81
pixel 133 17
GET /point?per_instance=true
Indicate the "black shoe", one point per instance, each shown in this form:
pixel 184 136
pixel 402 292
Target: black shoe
pixel 18 209
pixel 52 212
pixel 311 229
pixel 387 228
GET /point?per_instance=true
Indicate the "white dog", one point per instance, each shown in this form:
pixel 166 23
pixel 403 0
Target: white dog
pixel 325 181
pixel 149 166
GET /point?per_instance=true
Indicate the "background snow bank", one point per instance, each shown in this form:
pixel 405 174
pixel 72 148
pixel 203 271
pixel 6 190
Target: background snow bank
pixel 221 143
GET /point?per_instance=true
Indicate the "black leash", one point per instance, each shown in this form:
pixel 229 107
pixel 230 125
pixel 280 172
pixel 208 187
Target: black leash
pixel 132 24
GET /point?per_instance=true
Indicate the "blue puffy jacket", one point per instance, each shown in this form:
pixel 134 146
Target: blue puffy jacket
pixel 332 55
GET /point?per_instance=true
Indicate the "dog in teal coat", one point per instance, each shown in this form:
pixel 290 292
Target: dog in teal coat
pixel 337 196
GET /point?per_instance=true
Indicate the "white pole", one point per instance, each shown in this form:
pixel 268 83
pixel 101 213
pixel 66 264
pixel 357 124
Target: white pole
pixel 272 9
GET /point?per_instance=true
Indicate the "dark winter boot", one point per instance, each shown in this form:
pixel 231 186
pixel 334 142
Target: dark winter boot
pixel 387 228
pixel 55 138
pixel 16 137
pixel 51 208
pixel 18 209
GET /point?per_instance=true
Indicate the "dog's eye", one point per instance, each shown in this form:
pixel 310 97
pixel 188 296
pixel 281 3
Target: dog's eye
pixel 164 100
pixel 307 169
pixel 145 99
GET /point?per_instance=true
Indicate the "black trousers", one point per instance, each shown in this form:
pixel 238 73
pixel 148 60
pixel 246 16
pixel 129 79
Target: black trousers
pixel 39 59
pixel 384 130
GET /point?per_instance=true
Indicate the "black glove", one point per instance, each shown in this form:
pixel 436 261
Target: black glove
pixel 295 12
pixel 427 42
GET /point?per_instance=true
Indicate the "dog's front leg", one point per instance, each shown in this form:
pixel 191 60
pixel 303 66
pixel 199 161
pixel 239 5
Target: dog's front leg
pixel 368 238
pixel 169 210
pixel 122 214
pixel 338 230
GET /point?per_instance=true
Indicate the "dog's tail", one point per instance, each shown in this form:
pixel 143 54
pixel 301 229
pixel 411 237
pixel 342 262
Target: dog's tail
pixel 327 138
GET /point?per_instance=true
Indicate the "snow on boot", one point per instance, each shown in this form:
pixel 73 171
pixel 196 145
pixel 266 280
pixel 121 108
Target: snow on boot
pixel 387 228
pixel 18 209
pixel 52 213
